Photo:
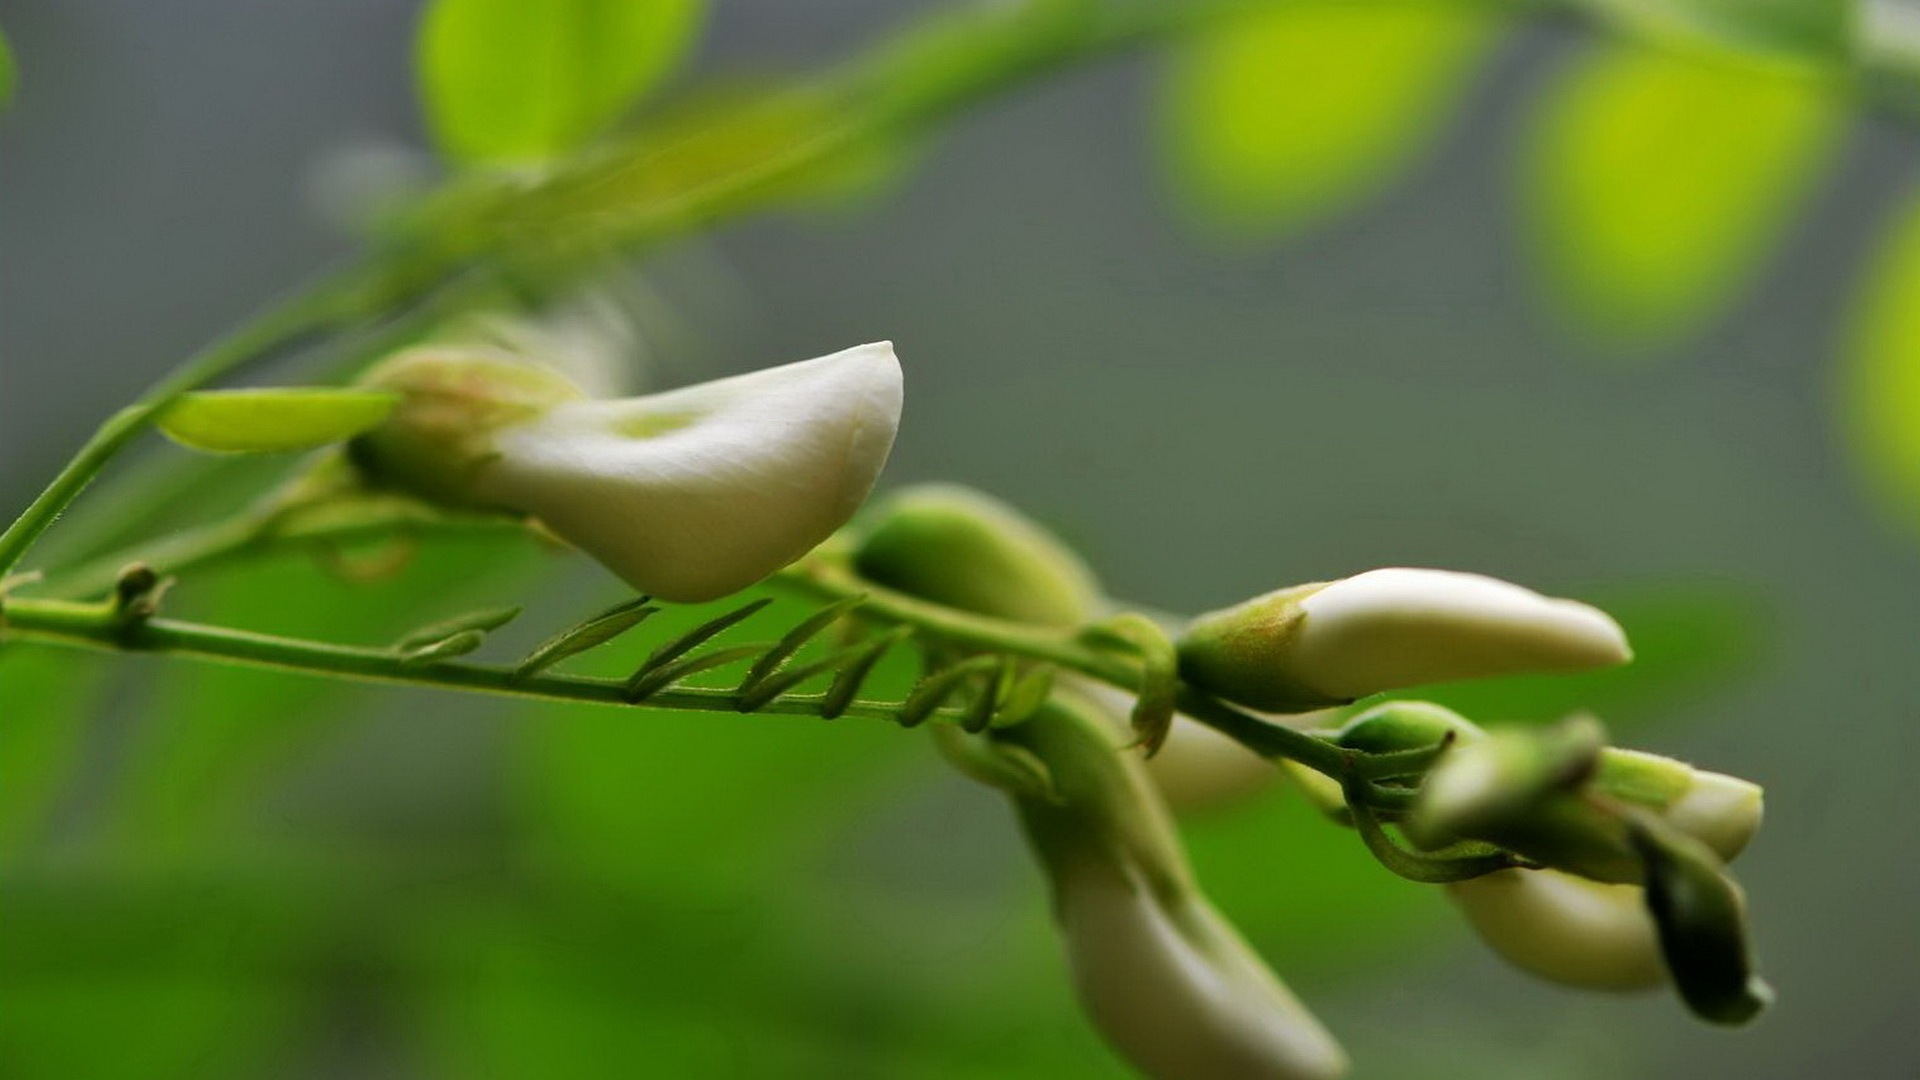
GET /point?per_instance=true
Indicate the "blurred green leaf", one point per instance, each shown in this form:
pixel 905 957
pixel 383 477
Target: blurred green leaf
pixel 51 697
pixel 1815 30
pixel 1304 110
pixel 283 418
pixel 1658 181
pixel 1687 638
pixel 112 980
pixel 1882 381
pixel 9 73
pixel 508 81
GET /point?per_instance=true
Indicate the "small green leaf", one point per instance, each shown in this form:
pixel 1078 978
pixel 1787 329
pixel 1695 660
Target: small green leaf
pixel 262 421
pixel 1882 399
pixel 582 636
pixel 9 73
pixel 484 621
pixel 1280 120
pixel 504 80
pixel 1658 182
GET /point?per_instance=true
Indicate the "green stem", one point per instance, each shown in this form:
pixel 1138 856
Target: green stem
pixel 98 626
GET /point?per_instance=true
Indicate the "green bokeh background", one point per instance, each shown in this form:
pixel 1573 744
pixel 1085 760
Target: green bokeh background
pixel 239 874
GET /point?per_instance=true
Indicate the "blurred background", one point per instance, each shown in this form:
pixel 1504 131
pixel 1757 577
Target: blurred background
pixel 1421 332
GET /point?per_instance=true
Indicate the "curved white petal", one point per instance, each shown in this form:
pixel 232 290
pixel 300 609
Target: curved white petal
pixel 1179 993
pixel 1399 627
pixel 1566 929
pixel 696 493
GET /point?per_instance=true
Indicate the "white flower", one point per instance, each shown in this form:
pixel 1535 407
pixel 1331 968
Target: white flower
pixel 1721 811
pixel 1565 928
pixel 688 495
pixel 1320 644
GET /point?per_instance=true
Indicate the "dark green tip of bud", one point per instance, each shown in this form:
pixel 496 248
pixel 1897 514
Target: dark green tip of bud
pixel 958 547
pixel 1701 920
pixel 1403 725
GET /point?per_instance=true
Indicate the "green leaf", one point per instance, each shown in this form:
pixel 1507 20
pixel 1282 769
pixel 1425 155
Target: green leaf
pixel 263 421
pixel 1808 30
pixel 1882 383
pixel 1278 121
pixel 506 80
pixel 1658 181
pixel 9 73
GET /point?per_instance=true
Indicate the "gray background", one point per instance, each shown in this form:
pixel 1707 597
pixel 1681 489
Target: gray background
pixel 1207 424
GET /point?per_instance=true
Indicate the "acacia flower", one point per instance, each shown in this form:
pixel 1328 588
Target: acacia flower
pixel 1326 643
pixel 688 495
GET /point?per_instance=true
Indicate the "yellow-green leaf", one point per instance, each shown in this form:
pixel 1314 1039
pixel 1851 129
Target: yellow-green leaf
pixel 1658 181
pixel 1882 386
pixel 508 80
pixel 1278 120
pixel 260 421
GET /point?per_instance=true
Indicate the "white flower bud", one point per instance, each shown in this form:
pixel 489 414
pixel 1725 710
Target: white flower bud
pixel 1176 990
pixel 1385 629
pixel 1565 928
pixel 688 495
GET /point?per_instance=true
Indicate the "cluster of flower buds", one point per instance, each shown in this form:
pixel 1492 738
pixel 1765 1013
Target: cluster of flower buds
pixel 1607 866
pixel 1630 888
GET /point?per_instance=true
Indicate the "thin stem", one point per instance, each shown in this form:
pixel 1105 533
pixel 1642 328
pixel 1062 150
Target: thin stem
pixel 97 626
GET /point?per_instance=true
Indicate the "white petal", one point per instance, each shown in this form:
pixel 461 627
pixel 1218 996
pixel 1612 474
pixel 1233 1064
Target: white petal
pixel 1566 929
pixel 1392 628
pixel 1179 993
pixel 696 493
pixel 1721 811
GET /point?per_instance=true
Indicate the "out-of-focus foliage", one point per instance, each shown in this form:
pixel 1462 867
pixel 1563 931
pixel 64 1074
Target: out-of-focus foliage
pixel 506 81
pixel 44 691
pixel 1657 180
pixel 9 73
pixel 1807 29
pixel 1275 121
pixel 261 421
pixel 1882 375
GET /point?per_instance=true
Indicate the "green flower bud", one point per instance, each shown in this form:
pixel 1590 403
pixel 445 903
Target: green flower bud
pixel 1404 725
pixel 1328 643
pixel 958 547
pixel 688 495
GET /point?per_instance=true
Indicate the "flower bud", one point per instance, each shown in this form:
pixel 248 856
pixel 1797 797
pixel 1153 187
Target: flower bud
pixel 688 495
pixel 1404 725
pixel 1323 644
pixel 1565 928
pixel 959 547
